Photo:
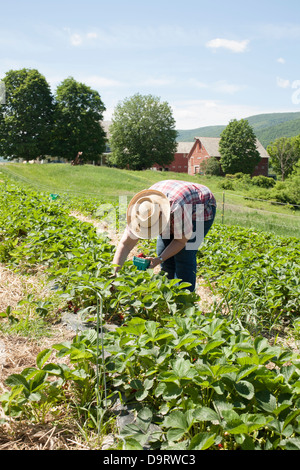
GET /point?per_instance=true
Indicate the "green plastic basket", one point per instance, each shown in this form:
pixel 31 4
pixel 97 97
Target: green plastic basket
pixel 141 263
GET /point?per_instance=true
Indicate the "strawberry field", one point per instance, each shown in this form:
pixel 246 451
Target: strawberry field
pixel 189 377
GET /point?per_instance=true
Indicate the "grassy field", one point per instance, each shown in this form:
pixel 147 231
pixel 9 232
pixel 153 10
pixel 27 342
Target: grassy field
pixel 104 184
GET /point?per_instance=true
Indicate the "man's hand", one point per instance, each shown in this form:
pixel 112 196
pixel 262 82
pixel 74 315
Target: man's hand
pixel 153 262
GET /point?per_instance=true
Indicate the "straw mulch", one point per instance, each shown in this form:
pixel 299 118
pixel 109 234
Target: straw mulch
pixel 18 353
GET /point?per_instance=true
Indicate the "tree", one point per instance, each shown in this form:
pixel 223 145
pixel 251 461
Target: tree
pixel 210 166
pixel 27 115
pixel 284 153
pixel 142 133
pixel 78 114
pixel 238 148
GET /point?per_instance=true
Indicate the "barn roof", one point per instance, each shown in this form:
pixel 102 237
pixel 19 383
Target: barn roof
pixel 185 147
pixel 211 145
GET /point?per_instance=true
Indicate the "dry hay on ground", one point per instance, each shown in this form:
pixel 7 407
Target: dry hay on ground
pixel 15 287
pixel 16 354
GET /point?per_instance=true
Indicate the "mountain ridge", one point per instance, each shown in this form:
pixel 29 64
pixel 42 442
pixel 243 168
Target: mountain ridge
pixel 267 127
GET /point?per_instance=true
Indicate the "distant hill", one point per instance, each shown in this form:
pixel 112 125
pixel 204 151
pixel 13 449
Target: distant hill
pixel 267 128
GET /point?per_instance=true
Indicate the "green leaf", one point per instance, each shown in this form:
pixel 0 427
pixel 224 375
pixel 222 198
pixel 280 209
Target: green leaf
pixel 151 328
pixel 17 380
pixel 42 357
pixel 266 401
pixel 248 443
pixel 245 371
pixel 132 444
pixel 202 441
pixel 38 380
pixel 205 414
pixel 136 327
pixel 176 419
pixel 293 443
pixel 143 419
pixel 182 368
pixel 212 345
pixel 53 369
pixel 148 383
pixel 237 427
pixel 35 396
pixel 140 395
pixel 245 389
pixel 290 418
pixel 136 384
pixel 171 391
pixel 175 434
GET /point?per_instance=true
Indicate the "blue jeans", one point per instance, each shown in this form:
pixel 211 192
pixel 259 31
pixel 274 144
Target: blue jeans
pixel 183 265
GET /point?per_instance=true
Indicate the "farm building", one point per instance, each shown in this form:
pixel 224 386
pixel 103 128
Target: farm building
pixel 180 163
pixel 190 155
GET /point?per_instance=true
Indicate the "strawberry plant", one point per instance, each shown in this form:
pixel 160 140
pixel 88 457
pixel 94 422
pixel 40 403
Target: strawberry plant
pixel 200 381
pixel 258 275
pixel 206 382
pixel 195 381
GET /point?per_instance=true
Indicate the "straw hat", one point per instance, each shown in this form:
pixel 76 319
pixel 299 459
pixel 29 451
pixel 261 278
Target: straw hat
pixel 148 213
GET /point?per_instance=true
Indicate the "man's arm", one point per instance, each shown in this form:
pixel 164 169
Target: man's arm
pixel 126 244
pixel 172 249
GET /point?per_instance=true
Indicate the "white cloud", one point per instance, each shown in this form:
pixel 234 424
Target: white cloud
pixel 279 31
pixel 281 60
pixel 231 45
pixel 92 35
pixel 197 83
pixel 229 88
pixel 137 36
pixel 283 83
pixel 191 114
pixel 97 81
pixel 76 39
pixel 221 86
pixel 157 82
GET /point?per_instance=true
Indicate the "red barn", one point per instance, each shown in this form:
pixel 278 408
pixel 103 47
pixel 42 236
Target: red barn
pixel 180 162
pixel 190 155
pixel 206 147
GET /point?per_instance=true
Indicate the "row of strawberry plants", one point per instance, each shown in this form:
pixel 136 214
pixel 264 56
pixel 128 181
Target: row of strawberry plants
pixel 35 231
pixel 196 382
pixel 257 274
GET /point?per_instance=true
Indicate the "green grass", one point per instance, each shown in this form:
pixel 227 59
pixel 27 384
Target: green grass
pixel 108 184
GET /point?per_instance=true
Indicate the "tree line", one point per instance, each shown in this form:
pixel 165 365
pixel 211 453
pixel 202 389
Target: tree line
pixel 35 123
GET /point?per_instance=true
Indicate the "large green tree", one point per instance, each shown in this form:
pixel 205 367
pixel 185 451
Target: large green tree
pixel 78 114
pixel 26 117
pixel 238 148
pixel 284 153
pixel 142 133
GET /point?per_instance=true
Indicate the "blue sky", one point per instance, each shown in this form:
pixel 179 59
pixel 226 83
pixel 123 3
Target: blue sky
pixel 212 61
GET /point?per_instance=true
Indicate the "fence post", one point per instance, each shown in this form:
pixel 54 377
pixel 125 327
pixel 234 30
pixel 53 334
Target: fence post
pixel 223 207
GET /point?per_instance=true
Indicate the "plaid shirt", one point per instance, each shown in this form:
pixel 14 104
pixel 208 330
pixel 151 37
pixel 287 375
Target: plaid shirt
pixel 189 202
